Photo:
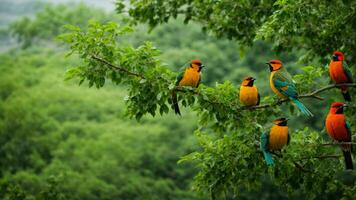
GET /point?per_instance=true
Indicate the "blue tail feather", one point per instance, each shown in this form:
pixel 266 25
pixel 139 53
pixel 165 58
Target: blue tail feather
pixel 302 108
pixel 264 147
pixel 268 158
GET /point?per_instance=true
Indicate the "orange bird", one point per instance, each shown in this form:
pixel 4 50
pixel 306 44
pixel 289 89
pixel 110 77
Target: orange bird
pixel 340 73
pixel 191 76
pixel 339 130
pixel 275 140
pixel 249 95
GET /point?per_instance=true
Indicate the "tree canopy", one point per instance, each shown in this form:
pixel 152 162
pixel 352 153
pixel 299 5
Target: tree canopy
pixel 117 56
pixel 319 27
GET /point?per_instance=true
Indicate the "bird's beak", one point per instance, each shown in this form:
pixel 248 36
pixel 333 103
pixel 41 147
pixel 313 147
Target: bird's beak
pixel 267 63
pixel 345 105
pixel 287 119
pixel 202 66
pixel 253 79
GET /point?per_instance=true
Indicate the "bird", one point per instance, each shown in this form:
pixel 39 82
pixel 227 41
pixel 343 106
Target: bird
pixel 282 84
pixel 275 140
pixel 339 130
pixel 340 73
pixel 191 76
pixel 249 95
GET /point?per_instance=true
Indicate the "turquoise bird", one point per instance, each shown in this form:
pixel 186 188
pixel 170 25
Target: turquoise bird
pixel 275 140
pixel 282 84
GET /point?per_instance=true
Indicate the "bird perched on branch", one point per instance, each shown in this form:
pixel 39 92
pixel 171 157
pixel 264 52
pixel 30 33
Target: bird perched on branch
pixel 249 95
pixel 340 73
pixel 339 130
pixel 191 76
pixel 282 84
pixel 275 140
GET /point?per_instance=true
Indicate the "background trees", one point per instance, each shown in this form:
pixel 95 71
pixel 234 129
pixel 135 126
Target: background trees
pixel 59 140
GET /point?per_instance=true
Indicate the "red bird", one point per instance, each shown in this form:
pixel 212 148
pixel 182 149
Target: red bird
pixel 340 73
pixel 339 130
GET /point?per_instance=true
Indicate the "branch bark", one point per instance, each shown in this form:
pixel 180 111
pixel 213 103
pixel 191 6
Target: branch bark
pixel 321 157
pixel 116 68
pixel 301 168
pixel 312 94
pixel 337 143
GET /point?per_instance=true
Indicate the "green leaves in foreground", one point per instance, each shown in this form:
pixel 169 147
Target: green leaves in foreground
pixel 138 68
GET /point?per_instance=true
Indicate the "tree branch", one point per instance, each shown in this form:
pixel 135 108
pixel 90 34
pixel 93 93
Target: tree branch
pixel 336 143
pixel 301 168
pixel 312 94
pixel 321 157
pixel 116 68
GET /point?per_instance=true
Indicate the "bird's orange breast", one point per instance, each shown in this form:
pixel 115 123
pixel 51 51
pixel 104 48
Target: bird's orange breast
pixel 336 127
pixel 191 78
pixel 278 137
pixel 248 95
pixel 336 72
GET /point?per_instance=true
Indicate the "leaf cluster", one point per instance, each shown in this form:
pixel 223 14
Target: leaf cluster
pixel 320 27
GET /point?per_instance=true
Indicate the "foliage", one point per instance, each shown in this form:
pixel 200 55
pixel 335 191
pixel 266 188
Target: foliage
pixel 54 136
pixel 288 24
pixel 227 157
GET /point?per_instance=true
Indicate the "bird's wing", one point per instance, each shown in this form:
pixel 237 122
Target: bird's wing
pixel 258 99
pixel 347 71
pixel 179 77
pixel 284 83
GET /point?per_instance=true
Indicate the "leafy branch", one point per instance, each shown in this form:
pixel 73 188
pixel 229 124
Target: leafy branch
pixel 312 94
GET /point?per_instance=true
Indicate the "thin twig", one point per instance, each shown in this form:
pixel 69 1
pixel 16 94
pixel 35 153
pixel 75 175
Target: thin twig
pixel 336 143
pixel 301 168
pixel 321 157
pixel 312 94
pixel 116 68
pixel 327 88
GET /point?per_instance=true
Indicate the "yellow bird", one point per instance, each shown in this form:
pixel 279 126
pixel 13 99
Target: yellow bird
pixel 283 85
pixel 191 76
pixel 275 140
pixel 249 95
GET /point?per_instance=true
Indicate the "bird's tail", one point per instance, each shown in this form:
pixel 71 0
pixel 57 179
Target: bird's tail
pixel 346 94
pixel 175 102
pixel 348 159
pixel 264 148
pixel 302 108
pixel 268 158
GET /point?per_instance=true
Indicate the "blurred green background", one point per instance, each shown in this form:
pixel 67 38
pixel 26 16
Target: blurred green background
pixel 59 140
